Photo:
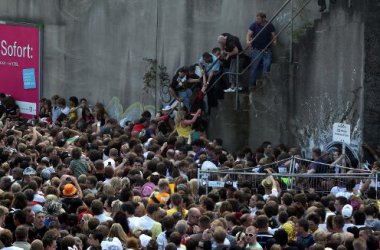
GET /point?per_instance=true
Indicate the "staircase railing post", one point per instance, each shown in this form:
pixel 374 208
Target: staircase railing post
pixel 237 83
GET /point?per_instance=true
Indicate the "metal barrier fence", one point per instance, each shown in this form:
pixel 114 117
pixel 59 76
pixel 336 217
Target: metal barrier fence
pixel 289 173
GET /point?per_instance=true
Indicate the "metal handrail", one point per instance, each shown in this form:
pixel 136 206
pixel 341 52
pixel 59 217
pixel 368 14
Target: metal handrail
pixel 257 35
pixel 266 25
pixel 266 47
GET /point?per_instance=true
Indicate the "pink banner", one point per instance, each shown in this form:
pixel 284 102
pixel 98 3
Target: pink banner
pixel 20 65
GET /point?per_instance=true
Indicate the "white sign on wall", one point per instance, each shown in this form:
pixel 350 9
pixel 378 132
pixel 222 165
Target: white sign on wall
pixel 342 133
pixel 28 108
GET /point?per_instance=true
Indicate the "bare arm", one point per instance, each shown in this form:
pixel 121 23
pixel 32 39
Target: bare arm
pixel 34 138
pixel 274 38
pixel 18 133
pixel 235 51
pixel 365 186
pixel 189 122
pixel 6 125
pixel 121 165
pixel 248 37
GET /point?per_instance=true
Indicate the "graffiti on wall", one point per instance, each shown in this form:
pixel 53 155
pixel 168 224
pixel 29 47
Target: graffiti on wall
pixel 133 112
pixel 314 129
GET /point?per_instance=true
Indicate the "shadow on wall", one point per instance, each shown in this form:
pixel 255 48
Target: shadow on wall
pixel 132 113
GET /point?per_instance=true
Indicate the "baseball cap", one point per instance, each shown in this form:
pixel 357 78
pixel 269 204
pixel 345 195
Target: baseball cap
pixel 38 209
pixel 167 108
pixel 347 211
pixel 45 174
pixel 29 171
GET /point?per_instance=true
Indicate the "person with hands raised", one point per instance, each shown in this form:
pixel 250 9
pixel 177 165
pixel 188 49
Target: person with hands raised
pixel 183 126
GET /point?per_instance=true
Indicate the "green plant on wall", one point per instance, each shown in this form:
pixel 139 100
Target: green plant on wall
pixel 155 71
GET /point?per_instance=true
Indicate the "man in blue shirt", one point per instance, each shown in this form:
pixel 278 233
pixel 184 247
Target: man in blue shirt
pixel 211 65
pixel 260 52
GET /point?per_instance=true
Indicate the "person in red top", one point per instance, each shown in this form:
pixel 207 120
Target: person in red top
pixel 141 125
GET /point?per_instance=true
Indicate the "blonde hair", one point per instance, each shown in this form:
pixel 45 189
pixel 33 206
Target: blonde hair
pixel 115 207
pixel 136 199
pixel 55 181
pixel 82 179
pixel 116 183
pixel 163 183
pixel 117 231
pixel 275 247
pixel 5 166
pixel 15 187
pixel 86 218
pixel 51 197
pixel 125 182
pixel 3 210
pixel 37 245
pixel 108 190
pixel 320 237
pixel 193 187
pixel 179 116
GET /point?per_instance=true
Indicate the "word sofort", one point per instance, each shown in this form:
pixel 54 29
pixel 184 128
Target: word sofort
pixel 15 50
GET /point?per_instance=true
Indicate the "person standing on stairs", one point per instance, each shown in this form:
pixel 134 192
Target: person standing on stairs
pixel 181 86
pixel 230 46
pixel 211 67
pixel 259 50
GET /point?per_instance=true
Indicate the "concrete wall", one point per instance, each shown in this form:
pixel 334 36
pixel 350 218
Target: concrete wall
pixel 371 112
pixel 95 48
pixel 329 78
pixel 323 86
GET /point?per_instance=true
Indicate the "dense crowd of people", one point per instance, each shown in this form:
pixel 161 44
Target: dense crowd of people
pixel 75 178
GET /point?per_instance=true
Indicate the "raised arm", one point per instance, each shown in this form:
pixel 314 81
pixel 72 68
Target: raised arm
pixel 248 37
pixel 190 122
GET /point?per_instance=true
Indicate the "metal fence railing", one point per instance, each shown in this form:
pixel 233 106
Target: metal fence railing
pixel 291 173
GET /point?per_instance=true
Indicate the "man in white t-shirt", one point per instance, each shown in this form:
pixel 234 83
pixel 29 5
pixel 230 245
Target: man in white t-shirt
pixel 347 214
pixel 112 156
pixel 111 243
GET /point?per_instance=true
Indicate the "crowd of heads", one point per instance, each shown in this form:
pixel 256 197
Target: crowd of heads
pixel 74 178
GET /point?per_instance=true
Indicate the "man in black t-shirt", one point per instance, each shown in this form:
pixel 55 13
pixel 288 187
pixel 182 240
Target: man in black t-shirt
pixel 230 46
pixel 181 86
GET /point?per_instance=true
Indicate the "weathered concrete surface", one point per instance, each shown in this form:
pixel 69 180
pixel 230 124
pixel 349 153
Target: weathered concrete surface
pixel 95 48
pixel 328 84
pixel 323 86
pixel 371 111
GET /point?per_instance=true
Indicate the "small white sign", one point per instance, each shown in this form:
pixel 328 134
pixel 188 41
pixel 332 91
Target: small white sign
pixel 220 184
pixel 342 133
pixel 27 108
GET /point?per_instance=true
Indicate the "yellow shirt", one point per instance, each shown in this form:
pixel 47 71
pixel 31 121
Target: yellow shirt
pixel 184 131
pixel 173 210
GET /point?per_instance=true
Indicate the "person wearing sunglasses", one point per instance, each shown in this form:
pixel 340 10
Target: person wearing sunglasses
pixel 250 239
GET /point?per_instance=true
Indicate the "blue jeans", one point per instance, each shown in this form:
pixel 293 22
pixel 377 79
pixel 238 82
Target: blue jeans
pixel 186 94
pixel 266 56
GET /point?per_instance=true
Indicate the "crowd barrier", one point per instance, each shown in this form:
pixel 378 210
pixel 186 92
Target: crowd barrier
pixel 290 173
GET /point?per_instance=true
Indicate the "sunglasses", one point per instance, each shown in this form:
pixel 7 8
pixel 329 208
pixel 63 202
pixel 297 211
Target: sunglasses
pixel 249 235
